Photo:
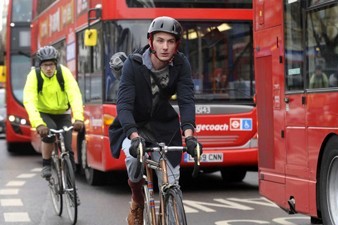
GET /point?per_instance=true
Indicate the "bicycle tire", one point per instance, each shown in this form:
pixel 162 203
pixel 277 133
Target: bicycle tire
pixel 70 193
pixel 174 213
pixel 55 186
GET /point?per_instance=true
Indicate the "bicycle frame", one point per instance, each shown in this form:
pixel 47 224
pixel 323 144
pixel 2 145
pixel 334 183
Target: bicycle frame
pixel 65 176
pixel 161 166
pixel 59 152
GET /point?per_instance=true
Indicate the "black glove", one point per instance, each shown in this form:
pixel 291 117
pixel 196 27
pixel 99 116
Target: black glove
pixel 134 147
pixel 42 130
pixel 78 125
pixel 191 143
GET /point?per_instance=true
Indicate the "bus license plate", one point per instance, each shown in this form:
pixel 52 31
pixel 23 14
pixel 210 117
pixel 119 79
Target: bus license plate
pixel 205 157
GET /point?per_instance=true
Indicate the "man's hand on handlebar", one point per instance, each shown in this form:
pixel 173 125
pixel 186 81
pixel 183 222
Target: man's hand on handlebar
pixel 42 130
pixel 191 143
pixel 134 147
pixel 78 125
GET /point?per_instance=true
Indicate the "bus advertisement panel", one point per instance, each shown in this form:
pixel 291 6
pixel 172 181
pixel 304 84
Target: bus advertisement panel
pixel 296 72
pixel 217 41
pixel 18 64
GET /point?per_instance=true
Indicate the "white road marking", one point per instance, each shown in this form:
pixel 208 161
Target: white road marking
pixel 17 217
pixel 11 202
pixel 229 222
pixel 26 175
pixel 285 220
pixel 16 183
pixel 9 191
pixel 188 209
pixel 11 217
pixel 36 169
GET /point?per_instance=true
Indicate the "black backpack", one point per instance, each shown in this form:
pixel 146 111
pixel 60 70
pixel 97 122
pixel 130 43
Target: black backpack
pixel 59 77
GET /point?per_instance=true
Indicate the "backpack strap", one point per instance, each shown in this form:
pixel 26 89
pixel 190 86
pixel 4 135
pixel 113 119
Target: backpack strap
pixel 59 77
pixel 137 57
pixel 39 78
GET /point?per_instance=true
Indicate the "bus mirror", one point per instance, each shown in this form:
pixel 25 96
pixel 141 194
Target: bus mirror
pixel 90 37
pixel 2 74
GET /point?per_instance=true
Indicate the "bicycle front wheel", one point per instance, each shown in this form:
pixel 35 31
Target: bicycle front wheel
pixel 70 194
pixel 174 213
pixel 149 207
pixel 55 185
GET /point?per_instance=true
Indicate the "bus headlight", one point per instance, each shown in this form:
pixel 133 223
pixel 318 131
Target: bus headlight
pixel 17 120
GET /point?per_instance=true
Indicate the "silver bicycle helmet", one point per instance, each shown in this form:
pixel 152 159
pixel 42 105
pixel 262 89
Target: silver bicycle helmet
pixel 116 63
pixel 165 24
pixel 47 53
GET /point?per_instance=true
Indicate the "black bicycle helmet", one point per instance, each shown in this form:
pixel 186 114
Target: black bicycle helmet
pixel 116 63
pixel 165 24
pixel 47 53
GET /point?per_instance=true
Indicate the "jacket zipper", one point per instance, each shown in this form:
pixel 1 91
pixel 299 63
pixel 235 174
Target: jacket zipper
pixel 57 98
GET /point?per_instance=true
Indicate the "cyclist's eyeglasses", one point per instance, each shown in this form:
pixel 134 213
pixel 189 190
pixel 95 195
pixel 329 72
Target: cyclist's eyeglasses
pixel 48 65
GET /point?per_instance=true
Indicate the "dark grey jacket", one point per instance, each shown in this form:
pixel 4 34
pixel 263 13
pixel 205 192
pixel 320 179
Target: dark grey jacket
pixel 134 105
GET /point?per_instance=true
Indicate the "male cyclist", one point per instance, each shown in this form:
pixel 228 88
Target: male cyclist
pixel 144 112
pixel 52 106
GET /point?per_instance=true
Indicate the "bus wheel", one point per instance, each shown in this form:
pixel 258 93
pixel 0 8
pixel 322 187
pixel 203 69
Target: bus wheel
pixel 233 174
pixel 93 176
pixel 328 183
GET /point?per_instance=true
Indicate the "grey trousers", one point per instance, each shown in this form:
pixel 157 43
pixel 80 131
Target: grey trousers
pixel 131 164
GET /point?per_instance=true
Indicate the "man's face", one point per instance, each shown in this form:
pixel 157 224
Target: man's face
pixel 48 68
pixel 165 45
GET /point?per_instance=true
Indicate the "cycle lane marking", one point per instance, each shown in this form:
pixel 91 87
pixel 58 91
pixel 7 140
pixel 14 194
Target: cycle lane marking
pixel 7 200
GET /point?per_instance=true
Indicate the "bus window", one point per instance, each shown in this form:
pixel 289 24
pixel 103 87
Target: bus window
pixel 90 68
pixel 22 11
pixel 294 47
pixel 61 47
pixel 189 4
pixel 20 67
pixel 322 42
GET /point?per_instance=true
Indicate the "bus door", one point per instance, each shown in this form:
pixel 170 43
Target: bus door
pixel 296 164
pixel 269 80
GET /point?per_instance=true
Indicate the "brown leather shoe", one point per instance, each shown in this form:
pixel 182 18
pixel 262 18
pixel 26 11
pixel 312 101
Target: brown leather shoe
pixel 135 216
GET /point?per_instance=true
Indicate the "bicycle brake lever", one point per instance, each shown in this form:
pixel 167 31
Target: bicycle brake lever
pixel 140 147
pixel 198 155
pixel 197 160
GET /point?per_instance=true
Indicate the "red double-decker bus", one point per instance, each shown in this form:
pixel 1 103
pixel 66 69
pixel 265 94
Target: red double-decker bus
pixel 217 40
pixel 296 57
pixel 18 64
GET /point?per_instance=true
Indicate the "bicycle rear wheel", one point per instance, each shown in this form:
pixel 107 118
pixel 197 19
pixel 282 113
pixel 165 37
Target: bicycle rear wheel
pixel 70 189
pixel 55 186
pixel 173 207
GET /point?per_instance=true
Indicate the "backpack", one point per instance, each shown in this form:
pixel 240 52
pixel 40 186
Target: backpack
pixel 59 77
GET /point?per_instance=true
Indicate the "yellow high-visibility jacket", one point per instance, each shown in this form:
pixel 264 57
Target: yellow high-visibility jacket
pixel 52 99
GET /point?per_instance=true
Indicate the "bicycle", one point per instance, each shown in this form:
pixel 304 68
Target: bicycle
pixel 171 209
pixel 62 180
